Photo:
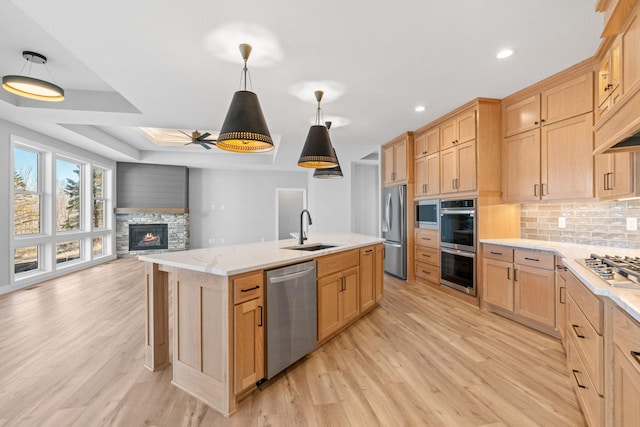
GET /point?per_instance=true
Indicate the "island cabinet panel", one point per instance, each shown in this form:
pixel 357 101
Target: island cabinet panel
pixel 329 293
pixel 157 319
pixel 626 387
pixel 367 281
pixel 248 344
pixel 202 329
pixel 378 273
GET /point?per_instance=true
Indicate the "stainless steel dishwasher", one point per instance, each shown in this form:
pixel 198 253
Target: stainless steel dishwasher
pixel 291 315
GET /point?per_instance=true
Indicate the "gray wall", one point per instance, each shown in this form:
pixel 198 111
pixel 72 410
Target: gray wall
pixel 365 195
pixel 234 207
pixel 152 186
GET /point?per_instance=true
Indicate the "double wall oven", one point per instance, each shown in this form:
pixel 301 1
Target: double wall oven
pixel 458 237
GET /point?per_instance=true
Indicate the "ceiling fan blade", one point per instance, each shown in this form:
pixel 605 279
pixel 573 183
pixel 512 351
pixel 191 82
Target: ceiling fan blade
pixel 184 133
pixel 203 136
pixel 205 146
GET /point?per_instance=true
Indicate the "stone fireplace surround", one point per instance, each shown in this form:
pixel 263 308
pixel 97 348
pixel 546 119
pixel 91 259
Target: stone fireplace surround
pixel 177 221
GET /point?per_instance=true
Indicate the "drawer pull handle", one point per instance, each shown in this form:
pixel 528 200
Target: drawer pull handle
pixel 508 273
pixel 532 259
pixel 426 272
pixel 428 256
pixel 426 238
pixel 260 324
pixel 368 251
pixel 495 253
pixel 250 289
pixel 635 355
pixel 575 331
pixel 576 378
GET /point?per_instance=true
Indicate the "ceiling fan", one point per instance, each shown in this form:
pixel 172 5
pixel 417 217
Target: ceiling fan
pixel 200 139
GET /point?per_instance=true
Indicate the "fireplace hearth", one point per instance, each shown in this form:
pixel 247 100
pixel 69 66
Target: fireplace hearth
pixel 144 237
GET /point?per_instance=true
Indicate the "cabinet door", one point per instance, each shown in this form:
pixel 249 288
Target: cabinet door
pixel 400 161
pixel 466 166
pixel 466 127
pixel 329 290
pixel 433 174
pixel 497 282
pixel 561 289
pixel 522 167
pixel 568 99
pixel 448 164
pixel 622 178
pixel 521 116
pixel 567 159
pixel 427 143
pixel 350 299
pixel 379 272
pixel 367 281
pixel 420 145
pixel 448 134
pixel 248 344
pixel 626 393
pixel 631 53
pixel 421 176
pixel 388 164
pixel 535 296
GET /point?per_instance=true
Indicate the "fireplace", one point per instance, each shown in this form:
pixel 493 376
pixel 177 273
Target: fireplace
pixel 144 237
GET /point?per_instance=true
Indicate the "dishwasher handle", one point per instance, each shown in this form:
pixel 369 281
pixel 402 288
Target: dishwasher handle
pixel 280 279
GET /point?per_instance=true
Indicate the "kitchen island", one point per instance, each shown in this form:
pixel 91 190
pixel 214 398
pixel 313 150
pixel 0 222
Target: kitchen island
pixel 218 303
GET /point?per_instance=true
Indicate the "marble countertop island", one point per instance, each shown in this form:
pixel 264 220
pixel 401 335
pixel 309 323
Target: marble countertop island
pixel 236 259
pixel 627 299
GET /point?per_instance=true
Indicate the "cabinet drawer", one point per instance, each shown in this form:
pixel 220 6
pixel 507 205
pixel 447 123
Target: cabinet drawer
pixel 427 272
pixel 247 287
pixel 590 304
pixel 589 344
pixel 626 335
pixel 592 404
pixel 544 260
pixel 428 255
pixel 498 252
pixel 329 264
pixel 428 238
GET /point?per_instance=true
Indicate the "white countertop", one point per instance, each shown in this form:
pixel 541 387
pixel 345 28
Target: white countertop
pixel 627 299
pixel 230 260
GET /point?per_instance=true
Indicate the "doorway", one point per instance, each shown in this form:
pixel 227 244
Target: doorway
pixel 365 196
pixel 289 203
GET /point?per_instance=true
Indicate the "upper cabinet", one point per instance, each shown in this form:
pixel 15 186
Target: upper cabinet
pixel 615 175
pixel 609 78
pixel 396 165
pixel 458 130
pixel 548 144
pixel 427 142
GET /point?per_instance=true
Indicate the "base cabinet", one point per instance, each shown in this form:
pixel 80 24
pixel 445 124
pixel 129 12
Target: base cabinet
pixel 626 367
pixel 371 275
pixel 427 256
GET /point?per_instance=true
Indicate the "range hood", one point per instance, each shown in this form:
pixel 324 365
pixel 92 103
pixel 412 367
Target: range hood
pixel 628 144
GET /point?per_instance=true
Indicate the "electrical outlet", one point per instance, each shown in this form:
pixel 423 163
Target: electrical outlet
pixel 562 222
pixel 632 224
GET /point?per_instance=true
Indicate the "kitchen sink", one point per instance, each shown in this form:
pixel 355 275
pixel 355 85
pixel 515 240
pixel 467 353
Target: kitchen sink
pixel 316 247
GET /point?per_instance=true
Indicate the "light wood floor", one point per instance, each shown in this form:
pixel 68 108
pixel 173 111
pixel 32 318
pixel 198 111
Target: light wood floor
pixel 71 353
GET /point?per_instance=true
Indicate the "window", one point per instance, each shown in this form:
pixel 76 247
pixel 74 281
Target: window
pixel 98 216
pixel 68 196
pixel 61 205
pixel 26 195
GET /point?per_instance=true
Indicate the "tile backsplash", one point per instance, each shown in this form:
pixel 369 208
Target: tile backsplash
pixel 593 223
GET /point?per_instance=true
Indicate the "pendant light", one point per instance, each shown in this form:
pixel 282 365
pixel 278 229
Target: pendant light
pixel 327 173
pixel 244 129
pixel 30 87
pixel 318 151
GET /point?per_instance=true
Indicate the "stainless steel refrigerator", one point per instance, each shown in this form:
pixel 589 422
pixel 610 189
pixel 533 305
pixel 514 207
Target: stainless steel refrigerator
pixel 394 230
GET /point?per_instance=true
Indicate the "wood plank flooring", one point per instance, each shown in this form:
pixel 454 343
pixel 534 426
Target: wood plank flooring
pixel 72 354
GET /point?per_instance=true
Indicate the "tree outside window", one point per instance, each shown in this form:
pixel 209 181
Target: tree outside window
pixel 67 196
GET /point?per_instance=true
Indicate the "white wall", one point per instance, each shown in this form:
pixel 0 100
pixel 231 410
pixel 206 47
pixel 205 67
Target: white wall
pixel 365 199
pixel 7 130
pixel 236 206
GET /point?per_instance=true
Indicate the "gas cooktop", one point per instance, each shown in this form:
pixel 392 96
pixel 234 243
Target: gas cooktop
pixel 617 271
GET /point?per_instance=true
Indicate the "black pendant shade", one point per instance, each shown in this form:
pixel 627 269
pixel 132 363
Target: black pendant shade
pixel 30 87
pixel 317 151
pixel 327 173
pixel 245 128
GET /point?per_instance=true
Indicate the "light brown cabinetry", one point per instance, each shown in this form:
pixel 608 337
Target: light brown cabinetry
pixel 371 276
pixel 521 284
pixel 609 78
pixel 338 292
pixel 396 164
pixel 561 297
pixel 626 369
pixel 458 130
pixel 248 330
pixel 427 256
pixel 427 142
pixel 458 168
pixel 427 173
pixel 585 348
pixel 548 143
pixel 614 175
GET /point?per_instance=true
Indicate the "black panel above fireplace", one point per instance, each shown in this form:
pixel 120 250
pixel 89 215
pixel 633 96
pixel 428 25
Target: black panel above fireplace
pixel 145 237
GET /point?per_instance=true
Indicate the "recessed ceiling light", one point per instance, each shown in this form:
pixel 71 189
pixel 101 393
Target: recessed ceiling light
pixel 419 108
pixel 504 53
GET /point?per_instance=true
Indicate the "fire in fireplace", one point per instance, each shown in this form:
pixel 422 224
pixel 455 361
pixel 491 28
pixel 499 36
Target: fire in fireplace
pixel 144 237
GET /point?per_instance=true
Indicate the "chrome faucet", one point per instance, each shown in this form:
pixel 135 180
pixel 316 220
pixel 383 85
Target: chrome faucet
pixel 302 237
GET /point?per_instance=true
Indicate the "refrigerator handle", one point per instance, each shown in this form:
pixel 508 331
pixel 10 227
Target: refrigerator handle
pixel 387 213
pixel 403 213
